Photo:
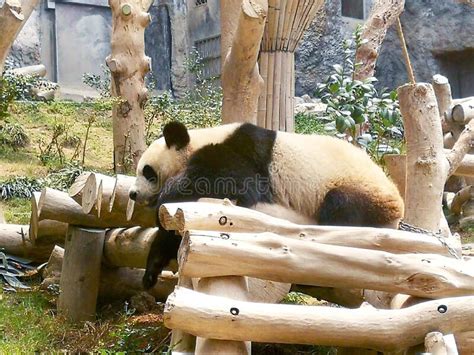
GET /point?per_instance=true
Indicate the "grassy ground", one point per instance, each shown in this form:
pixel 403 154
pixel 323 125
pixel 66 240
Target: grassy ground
pixel 29 322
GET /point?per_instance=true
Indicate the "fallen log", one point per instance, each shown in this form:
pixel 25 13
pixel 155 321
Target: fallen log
pixel 57 205
pixel 228 218
pixel 281 259
pixel 38 70
pixel 384 330
pixel 115 282
pixel 463 112
pixel 128 246
pixel 14 240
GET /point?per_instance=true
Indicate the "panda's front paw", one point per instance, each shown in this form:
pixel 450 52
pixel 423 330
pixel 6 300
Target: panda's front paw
pixel 149 279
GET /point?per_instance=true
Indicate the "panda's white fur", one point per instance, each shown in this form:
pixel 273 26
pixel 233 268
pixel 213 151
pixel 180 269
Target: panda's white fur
pixel 303 169
pixel 167 162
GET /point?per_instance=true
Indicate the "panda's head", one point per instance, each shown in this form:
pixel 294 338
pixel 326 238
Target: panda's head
pixel 164 158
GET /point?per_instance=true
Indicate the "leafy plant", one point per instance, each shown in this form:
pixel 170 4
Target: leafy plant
pixel 357 106
pixel 101 83
pixel 13 135
pixel 309 124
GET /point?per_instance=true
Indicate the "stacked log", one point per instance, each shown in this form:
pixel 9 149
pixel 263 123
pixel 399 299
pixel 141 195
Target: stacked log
pixel 247 243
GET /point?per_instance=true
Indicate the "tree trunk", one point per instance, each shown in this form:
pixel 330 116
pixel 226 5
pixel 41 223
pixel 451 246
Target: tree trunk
pixel 286 23
pixel 384 330
pixel 241 81
pixel 13 16
pixel 295 261
pixel 426 174
pixel 383 14
pixel 128 66
pixel 80 275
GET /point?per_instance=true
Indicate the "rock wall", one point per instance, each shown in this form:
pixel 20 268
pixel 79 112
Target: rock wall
pixel 436 32
pixel 439 34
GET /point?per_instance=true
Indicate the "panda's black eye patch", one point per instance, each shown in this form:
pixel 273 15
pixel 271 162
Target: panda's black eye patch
pixel 150 174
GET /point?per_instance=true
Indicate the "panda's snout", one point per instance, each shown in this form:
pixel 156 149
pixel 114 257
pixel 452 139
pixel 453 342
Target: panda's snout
pixel 133 195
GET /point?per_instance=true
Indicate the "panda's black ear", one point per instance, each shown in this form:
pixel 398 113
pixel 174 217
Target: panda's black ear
pixel 176 135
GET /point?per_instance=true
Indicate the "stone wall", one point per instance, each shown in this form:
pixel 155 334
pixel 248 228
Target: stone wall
pixel 439 34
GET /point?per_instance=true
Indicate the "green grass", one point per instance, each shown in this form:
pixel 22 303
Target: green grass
pixel 27 323
pixel 308 124
pixel 16 210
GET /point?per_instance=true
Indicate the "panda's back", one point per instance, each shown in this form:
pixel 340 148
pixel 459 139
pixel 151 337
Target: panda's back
pixel 305 167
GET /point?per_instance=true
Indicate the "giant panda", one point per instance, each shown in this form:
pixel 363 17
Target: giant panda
pixel 320 178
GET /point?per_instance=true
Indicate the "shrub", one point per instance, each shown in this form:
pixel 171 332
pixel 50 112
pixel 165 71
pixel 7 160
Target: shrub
pixel 13 135
pixel 353 104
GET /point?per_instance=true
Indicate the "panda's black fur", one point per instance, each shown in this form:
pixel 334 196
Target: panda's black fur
pixel 243 157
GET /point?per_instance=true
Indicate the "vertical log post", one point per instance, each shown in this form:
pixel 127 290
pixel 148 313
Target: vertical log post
pixel 236 288
pixel 426 166
pixel 181 342
pixel 241 80
pixel 128 65
pixel 286 23
pixel 13 16
pixel 80 275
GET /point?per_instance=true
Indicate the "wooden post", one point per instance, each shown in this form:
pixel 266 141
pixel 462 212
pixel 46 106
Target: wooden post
pixel 13 16
pixel 233 287
pixel 382 15
pixel 128 65
pixel 241 81
pixel 426 170
pixel 80 275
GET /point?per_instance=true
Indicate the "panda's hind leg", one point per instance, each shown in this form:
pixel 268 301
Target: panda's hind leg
pixel 348 206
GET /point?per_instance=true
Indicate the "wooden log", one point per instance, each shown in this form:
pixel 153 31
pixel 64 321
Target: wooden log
pixel 57 205
pixel 396 166
pixel 38 70
pixel 442 91
pixel 14 240
pixel 13 16
pixel 232 219
pixel 384 330
pixel 281 259
pixel 80 274
pixel 241 81
pixel 437 344
pixel 426 169
pixel 460 198
pixel 465 342
pixel 128 65
pixel 349 298
pixel 76 190
pixel 128 246
pixel 464 112
pixel 119 198
pixel 46 231
pixel 93 193
pixel 116 283
pixel 233 287
pixel 382 15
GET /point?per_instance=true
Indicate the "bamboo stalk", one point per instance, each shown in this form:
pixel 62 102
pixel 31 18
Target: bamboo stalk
pixel 276 91
pixel 284 85
pixel 262 109
pixel 271 75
